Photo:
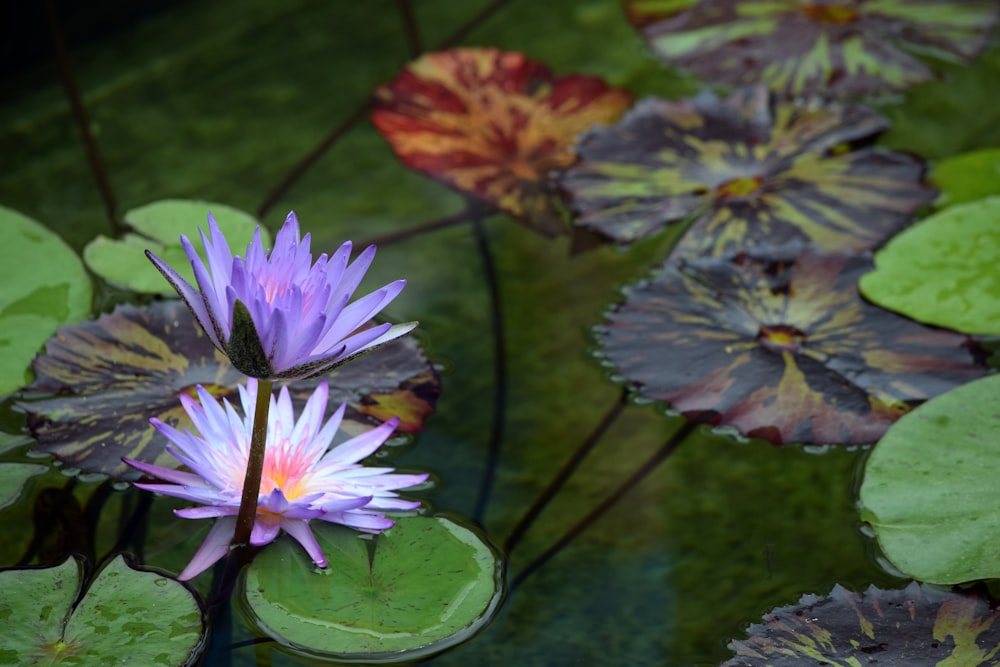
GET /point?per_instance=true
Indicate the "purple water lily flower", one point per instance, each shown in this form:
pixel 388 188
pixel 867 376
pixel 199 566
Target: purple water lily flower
pixel 277 315
pixel 303 477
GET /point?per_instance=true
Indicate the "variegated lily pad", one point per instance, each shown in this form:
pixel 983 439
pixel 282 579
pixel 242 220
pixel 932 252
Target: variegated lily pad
pixel 750 170
pixel 494 124
pixel 836 48
pixel 782 350
pixel 106 378
pixel 919 625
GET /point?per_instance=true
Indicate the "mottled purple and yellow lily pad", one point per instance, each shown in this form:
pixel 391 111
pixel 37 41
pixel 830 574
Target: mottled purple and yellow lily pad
pixel 749 169
pixel 105 378
pixel 494 125
pixel 781 350
pixel 918 625
pixel 834 48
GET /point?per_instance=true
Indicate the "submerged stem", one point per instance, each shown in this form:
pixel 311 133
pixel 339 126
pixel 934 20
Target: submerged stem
pixel 648 466
pixel 255 466
pixel 499 372
pixel 565 473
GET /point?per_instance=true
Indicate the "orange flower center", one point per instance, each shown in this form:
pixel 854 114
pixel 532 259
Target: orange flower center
pixel 832 14
pixel 739 188
pixel 781 338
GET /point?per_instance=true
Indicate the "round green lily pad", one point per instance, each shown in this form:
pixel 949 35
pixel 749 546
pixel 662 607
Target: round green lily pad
pixel 126 617
pixel 423 586
pixel 42 284
pixel 160 225
pixel 967 177
pixel 930 487
pixel 943 270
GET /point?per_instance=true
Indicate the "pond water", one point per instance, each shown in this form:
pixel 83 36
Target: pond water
pixel 220 101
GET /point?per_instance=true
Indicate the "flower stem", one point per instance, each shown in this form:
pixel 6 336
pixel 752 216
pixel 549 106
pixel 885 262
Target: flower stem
pixel 255 466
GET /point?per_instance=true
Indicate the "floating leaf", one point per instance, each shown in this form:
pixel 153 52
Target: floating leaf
pixel 494 124
pixel 919 625
pixel 42 285
pixel 967 177
pixel 943 270
pixel 428 584
pixel 785 351
pixel 13 477
pixel 159 226
pixel 930 487
pixel 835 48
pixel 750 169
pixel 111 375
pixel 126 617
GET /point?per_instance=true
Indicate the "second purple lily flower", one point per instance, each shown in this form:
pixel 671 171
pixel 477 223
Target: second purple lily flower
pixel 277 315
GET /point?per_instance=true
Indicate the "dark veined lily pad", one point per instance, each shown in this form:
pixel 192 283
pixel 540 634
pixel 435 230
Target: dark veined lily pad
pixel 42 284
pixel 111 375
pixel 835 48
pixel 785 351
pixel 126 617
pixel 918 625
pixel 493 125
pixel 750 170
pixel 423 586
pixel 930 487
pixel 160 225
pixel 967 177
pixel 943 270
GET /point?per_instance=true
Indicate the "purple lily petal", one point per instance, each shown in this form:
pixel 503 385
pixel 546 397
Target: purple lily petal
pixel 301 310
pixel 303 478
pixel 215 546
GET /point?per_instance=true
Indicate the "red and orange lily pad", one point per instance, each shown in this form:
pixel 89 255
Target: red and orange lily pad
pixel 748 169
pixel 101 381
pixel 784 350
pixel 494 125
pixel 834 48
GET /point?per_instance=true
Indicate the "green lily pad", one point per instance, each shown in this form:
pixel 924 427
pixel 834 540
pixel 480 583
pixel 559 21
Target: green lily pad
pixel 13 477
pixel 943 270
pixel 967 177
pixel 930 487
pixel 919 625
pixel 159 226
pixel 42 285
pixel 126 617
pixel 428 584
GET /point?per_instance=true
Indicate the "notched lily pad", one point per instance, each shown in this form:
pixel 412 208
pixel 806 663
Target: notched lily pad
pixel 918 625
pixel 42 284
pixel 930 487
pixel 105 379
pixel 493 125
pixel 749 169
pixel 943 270
pixel 423 586
pixel 158 228
pixel 835 48
pixel 126 617
pixel 782 350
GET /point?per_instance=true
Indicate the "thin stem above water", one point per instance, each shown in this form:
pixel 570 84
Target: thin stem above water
pixel 255 466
